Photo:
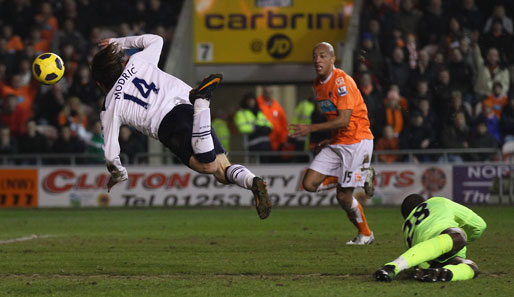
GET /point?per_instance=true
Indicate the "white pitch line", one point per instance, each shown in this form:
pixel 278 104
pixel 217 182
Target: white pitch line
pixel 25 238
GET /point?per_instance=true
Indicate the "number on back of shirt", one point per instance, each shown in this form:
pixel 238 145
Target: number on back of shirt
pixel 144 89
pixel 420 213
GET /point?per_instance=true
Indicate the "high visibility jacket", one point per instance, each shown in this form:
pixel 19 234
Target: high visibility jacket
pixel 276 115
pixel 257 127
pixel 302 115
pixel 303 112
pixel 221 128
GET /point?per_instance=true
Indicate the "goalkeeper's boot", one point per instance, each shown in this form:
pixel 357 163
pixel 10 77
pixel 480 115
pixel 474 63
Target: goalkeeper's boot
pixel 361 239
pixel 385 273
pixel 262 201
pixel 369 187
pixel 204 90
pixel 433 275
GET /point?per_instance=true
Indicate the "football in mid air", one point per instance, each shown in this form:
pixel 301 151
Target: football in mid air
pixel 48 68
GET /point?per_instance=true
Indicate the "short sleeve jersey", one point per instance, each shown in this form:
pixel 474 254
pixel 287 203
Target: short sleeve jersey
pixel 437 214
pixel 337 92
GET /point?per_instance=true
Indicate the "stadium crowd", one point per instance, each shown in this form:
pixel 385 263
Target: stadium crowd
pixel 437 74
pixel 64 118
pixel 433 74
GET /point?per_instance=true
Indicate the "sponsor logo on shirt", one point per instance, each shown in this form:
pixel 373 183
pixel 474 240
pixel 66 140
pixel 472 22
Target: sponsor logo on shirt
pixel 327 106
pixel 339 81
pixel 341 91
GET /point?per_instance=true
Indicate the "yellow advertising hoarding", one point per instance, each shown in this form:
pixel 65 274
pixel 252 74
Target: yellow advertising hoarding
pixel 266 31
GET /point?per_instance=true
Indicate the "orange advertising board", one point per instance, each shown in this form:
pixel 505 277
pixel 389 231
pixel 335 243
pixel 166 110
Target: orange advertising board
pixel 18 187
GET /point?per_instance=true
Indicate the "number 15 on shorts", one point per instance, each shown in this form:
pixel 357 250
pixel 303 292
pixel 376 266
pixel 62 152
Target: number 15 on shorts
pixel 204 52
pixel 347 177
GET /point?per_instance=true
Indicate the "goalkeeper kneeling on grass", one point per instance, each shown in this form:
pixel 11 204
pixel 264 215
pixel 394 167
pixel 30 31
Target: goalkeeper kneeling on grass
pixel 436 231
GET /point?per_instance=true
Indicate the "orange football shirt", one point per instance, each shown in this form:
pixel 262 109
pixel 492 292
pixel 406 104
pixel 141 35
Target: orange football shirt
pixel 339 91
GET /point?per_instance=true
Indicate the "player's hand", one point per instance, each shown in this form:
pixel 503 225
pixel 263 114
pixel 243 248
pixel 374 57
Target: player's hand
pixel 104 43
pixel 110 184
pixel 299 130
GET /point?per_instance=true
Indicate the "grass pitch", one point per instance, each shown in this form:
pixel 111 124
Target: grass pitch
pixel 226 252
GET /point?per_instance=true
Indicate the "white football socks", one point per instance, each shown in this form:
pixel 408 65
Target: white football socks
pixel 201 139
pixel 239 175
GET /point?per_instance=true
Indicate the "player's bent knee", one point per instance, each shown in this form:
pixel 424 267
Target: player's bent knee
pixel 205 168
pixel 458 236
pixel 309 186
pixel 473 266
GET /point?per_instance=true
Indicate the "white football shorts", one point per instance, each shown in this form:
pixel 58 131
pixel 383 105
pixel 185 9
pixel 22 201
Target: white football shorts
pixel 348 162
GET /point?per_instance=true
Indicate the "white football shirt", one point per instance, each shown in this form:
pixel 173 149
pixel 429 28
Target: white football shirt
pixel 140 98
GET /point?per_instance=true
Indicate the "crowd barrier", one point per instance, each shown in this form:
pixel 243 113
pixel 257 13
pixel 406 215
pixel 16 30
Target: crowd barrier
pixel 176 186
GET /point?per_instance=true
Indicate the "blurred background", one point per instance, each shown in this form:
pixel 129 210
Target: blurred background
pixel 435 75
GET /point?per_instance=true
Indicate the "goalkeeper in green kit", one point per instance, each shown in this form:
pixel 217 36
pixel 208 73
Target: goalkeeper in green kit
pixel 436 231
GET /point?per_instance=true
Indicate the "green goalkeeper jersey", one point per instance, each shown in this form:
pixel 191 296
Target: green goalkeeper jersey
pixel 437 214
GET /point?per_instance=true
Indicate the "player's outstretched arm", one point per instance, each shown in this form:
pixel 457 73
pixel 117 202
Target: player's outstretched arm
pixel 150 44
pixel 110 130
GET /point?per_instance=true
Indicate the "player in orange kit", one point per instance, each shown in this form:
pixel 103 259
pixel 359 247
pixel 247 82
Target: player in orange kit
pixel 347 155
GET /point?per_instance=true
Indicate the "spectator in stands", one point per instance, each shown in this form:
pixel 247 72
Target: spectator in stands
pixel 467 55
pixel 14 42
pixel 381 12
pixel 276 115
pixel 499 39
pixel 461 74
pixel 398 69
pixel 72 115
pixel 417 135
pixel 25 94
pixel 371 56
pixel 94 144
pixel 47 22
pixel 66 143
pixel 374 102
pixel 388 142
pixel 68 35
pixel 49 105
pixel 429 117
pixel 442 92
pixel 499 13
pixel 488 72
pixel 424 69
pixel 32 142
pixel 482 139
pixel 71 61
pixel 252 123
pixel 455 34
pixel 493 123
pixel 7 143
pixel 457 105
pixel 129 145
pixel 496 100
pixel 20 14
pixel 433 25
pixel 25 71
pixel 84 87
pixel 38 44
pixel 408 17
pixel 456 135
pixel 393 112
pixel 422 92
pixel 507 121
pixel 469 16
pixel 14 116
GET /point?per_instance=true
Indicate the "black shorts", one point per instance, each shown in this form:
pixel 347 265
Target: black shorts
pixel 175 133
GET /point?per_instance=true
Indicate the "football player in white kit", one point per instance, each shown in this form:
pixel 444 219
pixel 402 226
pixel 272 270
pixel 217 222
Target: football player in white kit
pixel 157 104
